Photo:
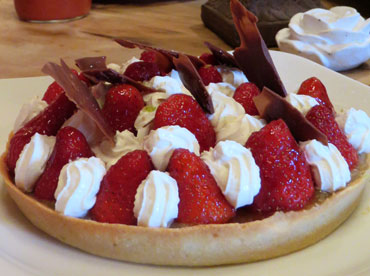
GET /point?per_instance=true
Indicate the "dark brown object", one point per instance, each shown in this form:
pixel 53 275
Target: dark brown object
pixel 193 82
pixel 221 55
pixel 253 56
pixel 271 107
pixel 273 15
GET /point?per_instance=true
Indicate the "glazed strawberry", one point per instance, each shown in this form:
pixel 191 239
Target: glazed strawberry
pixel 323 118
pixel 70 145
pixel 116 197
pixel 208 58
pixel 201 200
pixel 183 110
pixel 244 95
pixel 48 122
pixel 286 182
pixel 315 88
pixel 142 70
pixel 122 105
pixel 209 74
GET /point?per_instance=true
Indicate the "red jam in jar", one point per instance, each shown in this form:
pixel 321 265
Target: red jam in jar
pixel 50 10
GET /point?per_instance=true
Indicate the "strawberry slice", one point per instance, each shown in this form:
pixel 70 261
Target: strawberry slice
pixel 142 71
pixel 116 197
pixel 48 122
pixel 244 95
pixel 315 88
pixel 286 182
pixel 122 106
pixel 183 110
pixel 70 144
pixel 201 200
pixel 323 118
pixel 209 74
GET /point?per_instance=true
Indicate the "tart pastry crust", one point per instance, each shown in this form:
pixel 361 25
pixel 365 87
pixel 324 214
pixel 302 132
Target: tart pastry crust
pixel 201 245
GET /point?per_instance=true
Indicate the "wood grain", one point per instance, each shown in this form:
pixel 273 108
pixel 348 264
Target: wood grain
pixel 26 47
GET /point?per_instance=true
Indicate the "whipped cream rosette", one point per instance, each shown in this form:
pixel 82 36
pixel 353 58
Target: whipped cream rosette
pixel 337 38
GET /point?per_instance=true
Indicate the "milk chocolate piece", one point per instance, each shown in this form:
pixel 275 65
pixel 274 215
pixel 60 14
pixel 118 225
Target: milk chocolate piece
pixel 253 56
pixel 271 107
pixel 169 54
pixel 77 91
pixel 91 63
pixel 222 56
pixel 193 82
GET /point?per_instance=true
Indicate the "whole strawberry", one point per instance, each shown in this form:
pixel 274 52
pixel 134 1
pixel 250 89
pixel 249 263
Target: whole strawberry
pixel 323 118
pixel 70 145
pixel 116 197
pixel 286 182
pixel 54 89
pixel 184 111
pixel 244 95
pixel 142 70
pixel 315 88
pixel 201 200
pixel 122 106
pixel 48 122
pixel 209 74
pixel 208 58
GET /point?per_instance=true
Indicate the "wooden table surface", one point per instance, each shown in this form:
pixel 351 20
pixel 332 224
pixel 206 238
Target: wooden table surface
pixel 26 47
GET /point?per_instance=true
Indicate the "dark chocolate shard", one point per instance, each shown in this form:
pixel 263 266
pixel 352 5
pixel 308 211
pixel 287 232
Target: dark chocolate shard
pixel 253 56
pixel 113 77
pixel 77 91
pixel 168 53
pixel 91 63
pixel 272 106
pixel 193 82
pixel 222 56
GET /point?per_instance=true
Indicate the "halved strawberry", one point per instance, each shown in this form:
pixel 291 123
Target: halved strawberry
pixel 142 70
pixel 122 106
pixel 116 197
pixel 315 88
pixel 286 182
pixel 70 144
pixel 48 122
pixel 183 110
pixel 201 200
pixel 323 118
pixel 164 64
pixel 244 95
pixel 209 74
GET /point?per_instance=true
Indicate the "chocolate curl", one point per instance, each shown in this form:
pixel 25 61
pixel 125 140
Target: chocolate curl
pixel 253 56
pixel 193 82
pixel 221 56
pixel 79 93
pixel 168 54
pixel 272 106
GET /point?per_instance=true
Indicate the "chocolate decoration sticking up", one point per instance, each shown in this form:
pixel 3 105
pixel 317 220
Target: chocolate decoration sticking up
pixel 253 56
pixel 193 82
pixel 113 77
pixel 221 55
pixel 91 63
pixel 169 54
pixel 79 93
pixel 272 106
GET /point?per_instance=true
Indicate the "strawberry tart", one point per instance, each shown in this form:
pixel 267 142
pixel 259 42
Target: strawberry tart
pixel 171 159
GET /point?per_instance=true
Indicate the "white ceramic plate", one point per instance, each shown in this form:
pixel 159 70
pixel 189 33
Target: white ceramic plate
pixel 24 250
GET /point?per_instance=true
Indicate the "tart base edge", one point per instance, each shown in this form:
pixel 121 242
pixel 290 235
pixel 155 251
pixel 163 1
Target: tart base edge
pixel 201 245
